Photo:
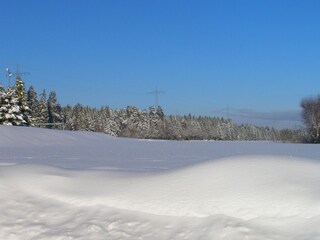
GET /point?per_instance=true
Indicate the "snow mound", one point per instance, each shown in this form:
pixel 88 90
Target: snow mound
pixel 245 188
pixel 79 185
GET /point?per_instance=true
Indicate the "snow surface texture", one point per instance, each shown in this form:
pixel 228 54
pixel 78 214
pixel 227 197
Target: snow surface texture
pixel 79 185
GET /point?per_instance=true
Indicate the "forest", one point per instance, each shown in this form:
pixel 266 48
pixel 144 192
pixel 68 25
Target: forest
pixel 21 107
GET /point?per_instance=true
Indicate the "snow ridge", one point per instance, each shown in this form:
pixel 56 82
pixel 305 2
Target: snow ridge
pixel 244 196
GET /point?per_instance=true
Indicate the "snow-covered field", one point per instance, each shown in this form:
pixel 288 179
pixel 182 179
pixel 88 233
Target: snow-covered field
pixel 79 185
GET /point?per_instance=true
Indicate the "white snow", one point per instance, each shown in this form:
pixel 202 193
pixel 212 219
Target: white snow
pixel 80 185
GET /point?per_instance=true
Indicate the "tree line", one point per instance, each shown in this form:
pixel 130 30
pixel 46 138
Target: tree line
pixel 129 122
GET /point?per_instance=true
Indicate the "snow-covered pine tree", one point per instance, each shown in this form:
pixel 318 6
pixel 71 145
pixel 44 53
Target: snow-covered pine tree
pixel 10 113
pixel 111 126
pixel 68 113
pixel 54 109
pixel 43 108
pixel 21 95
pixel 143 124
pixel 33 103
pixel 155 129
pixel 132 117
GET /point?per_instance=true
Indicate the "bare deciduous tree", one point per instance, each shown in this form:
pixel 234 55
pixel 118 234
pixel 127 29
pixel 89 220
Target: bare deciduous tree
pixel 311 117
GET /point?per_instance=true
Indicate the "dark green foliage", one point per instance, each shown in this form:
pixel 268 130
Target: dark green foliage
pixel 54 109
pixel 33 104
pixel 43 109
pixel 21 95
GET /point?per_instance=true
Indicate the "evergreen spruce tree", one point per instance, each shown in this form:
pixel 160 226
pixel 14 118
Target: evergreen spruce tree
pixel 10 113
pixel 21 95
pixel 69 118
pixel 54 109
pixel 43 108
pixel 154 124
pixel 33 104
pixel 111 126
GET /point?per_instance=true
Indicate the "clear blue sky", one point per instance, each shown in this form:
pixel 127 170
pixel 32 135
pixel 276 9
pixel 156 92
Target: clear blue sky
pixel 257 57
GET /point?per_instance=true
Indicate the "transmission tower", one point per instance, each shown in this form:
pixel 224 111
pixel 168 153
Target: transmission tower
pixel 19 74
pixel 156 94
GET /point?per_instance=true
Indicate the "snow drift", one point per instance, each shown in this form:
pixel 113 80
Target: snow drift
pixel 235 196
